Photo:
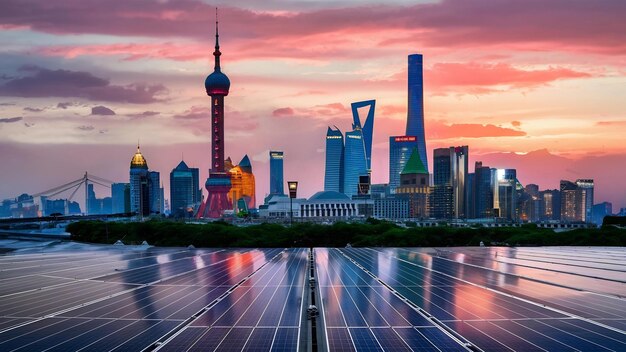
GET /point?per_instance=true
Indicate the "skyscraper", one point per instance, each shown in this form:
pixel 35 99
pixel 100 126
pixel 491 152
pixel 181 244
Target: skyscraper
pixel 354 161
pixel 415 184
pixel 587 186
pixel 483 192
pixel 185 192
pixel 576 198
pixel 333 174
pixel 459 180
pixel 218 184
pixel 157 202
pixel 276 173
pixel 415 113
pixel 449 176
pixel 367 126
pixel 243 186
pixel 400 150
pixel 120 198
pixel 504 183
pixel 139 185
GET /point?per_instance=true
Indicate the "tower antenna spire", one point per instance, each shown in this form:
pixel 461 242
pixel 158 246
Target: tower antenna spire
pixel 217 52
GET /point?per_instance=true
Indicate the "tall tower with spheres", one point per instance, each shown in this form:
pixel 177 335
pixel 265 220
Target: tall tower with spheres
pixel 218 184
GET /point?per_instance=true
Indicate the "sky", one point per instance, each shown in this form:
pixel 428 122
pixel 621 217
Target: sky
pixel 529 84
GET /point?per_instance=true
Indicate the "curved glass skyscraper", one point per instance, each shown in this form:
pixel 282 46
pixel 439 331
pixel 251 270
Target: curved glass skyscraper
pixel 354 162
pixel 367 126
pixel 415 114
pixel 333 176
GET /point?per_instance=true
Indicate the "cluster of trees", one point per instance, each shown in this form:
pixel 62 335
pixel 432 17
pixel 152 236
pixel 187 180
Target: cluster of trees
pixel 371 233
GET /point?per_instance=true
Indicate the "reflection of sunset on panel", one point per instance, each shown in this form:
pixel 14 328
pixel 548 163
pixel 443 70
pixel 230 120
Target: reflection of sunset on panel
pixel 524 84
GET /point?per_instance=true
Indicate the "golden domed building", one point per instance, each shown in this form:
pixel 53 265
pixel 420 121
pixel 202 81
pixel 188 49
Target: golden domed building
pixel 146 195
pixel 242 184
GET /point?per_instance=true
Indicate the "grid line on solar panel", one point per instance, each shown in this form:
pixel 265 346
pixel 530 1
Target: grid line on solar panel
pixel 531 299
pixel 383 306
pixel 79 271
pixel 268 271
pixel 56 301
pixel 483 340
pixel 593 283
pixel 229 313
pixel 484 287
pixel 354 332
pixel 172 269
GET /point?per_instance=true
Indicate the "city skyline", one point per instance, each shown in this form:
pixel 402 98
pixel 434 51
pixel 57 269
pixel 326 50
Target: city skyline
pixel 547 100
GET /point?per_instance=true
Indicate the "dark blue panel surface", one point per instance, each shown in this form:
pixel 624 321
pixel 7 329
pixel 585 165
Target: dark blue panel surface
pixel 415 340
pixel 538 339
pixel 389 340
pixel 364 340
pixel 184 340
pixel 210 340
pixel 339 339
pixel 260 340
pixel 286 339
pixel 235 340
pixel 76 342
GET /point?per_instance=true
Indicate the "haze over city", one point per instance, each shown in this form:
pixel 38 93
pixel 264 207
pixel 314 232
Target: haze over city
pixel 537 86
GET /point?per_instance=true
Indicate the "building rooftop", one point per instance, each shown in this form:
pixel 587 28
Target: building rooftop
pixel 138 161
pixel 414 165
pixel 329 195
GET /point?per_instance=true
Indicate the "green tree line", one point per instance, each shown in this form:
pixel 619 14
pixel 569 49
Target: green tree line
pixel 371 233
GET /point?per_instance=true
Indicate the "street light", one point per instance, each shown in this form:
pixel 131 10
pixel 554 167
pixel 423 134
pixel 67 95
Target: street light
pixel 293 190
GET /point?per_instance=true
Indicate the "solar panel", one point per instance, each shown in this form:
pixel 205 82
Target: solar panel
pixel 369 299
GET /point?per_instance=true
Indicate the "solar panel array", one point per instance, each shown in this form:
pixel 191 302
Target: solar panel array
pixel 105 298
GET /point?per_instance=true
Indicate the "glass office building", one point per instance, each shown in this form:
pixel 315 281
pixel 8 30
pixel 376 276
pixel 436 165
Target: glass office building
pixel 185 192
pixel 333 176
pixel 276 173
pixel 354 162
pixel 400 149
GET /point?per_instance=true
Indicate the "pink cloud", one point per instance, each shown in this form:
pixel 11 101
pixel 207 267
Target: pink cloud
pixel 43 82
pixel 283 112
pixel 440 130
pixel 584 26
pixel 481 78
pixel 611 123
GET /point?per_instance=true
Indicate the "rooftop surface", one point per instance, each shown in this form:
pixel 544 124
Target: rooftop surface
pixel 65 296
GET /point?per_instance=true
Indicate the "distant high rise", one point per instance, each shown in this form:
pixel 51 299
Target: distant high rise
pixel 442 194
pixel 483 192
pixel 587 186
pixel 449 175
pixel 551 204
pixel 120 198
pixel 575 200
pixel 333 175
pixel 243 185
pixel 139 185
pixel 599 211
pixel 400 150
pixel 276 173
pixel 354 162
pixel 367 126
pixel 414 186
pixel 504 183
pixel 157 202
pixel 459 180
pixel 415 113
pixel 185 192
